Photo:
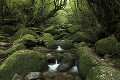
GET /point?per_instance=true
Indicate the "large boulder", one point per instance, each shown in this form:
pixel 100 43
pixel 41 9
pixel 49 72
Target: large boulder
pixel 86 60
pixel 24 31
pixel 103 73
pixel 22 62
pixel 15 48
pixel 105 45
pixel 67 62
pixel 48 40
pixel 3 54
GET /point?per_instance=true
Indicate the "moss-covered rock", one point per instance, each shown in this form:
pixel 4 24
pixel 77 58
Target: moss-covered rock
pixel 15 48
pixel 73 29
pixel 22 62
pixel 66 44
pixel 86 60
pixel 93 36
pixel 105 45
pixel 27 40
pixel 9 29
pixel 67 62
pixel 81 36
pixel 24 31
pixel 64 35
pixel 51 30
pixel 41 49
pixel 116 49
pixel 3 54
pixel 81 44
pixel 49 41
pixel 103 73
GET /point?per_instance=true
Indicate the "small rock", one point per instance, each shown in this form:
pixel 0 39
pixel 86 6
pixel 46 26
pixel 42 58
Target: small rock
pixel 17 77
pixel 34 75
pixel 50 58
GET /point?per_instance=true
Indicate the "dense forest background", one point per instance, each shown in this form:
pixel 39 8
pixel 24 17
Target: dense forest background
pixel 90 13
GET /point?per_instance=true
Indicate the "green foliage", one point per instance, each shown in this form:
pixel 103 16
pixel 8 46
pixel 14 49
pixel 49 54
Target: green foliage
pixel 103 73
pixel 24 31
pixel 22 62
pixel 15 48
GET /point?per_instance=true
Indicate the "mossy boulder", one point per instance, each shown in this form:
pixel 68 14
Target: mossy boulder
pixel 73 29
pixel 81 36
pixel 24 31
pixel 64 35
pixel 116 49
pixel 49 41
pixel 9 29
pixel 105 45
pixel 51 29
pixel 15 48
pixel 27 40
pixel 22 62
pixel 103 73
pixel 3 54
pixel 66 44
pixel 81 44
pixel 67 62
pixel 86 60
pixel 92 34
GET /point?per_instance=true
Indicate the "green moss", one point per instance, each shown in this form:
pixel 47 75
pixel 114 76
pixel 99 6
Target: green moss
pixel 81 36
pixel 64 34
pixel 93 36
pixel 2 54
pixel 73 29
pixel 22 62
pixel 81 44
pixel 9 29
pixel 104 46
pixel 24 31
pixel 25 38
pixel 116 49
pixel 86 60
pixel 103 73
pixel 66 44
pixel 51 30
pixel 49 40
pixel 15 48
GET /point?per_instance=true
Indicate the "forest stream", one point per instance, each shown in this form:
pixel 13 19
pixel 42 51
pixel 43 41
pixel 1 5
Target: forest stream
pixel 59 39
